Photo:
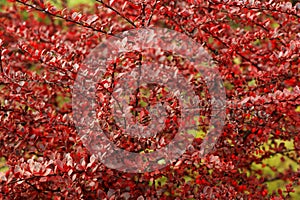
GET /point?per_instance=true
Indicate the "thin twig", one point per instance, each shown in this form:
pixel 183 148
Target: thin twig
pixel 138 82
pixel 238 53
pixel 117 12
pixel 1 69
pixel 61 17
pixel 112 87
pixel 143 14
pixel 35 188
pixel 152 13
pixel 261 8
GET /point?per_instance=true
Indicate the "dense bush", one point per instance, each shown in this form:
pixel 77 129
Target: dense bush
pixel 255 45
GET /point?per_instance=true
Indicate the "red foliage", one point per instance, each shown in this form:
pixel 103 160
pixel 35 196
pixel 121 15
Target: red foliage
pixel 255 45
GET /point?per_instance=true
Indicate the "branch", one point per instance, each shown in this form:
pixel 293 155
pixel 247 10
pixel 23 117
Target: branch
pixel 113 81
pixel 262 8
pixel 143 14
pixel 279 177
pixel 61 17
pixel 1 68
pixel 290 158
pixel 152 12
pixel 189 34
pixel 117 12
pixel 242 56
pixel 35 188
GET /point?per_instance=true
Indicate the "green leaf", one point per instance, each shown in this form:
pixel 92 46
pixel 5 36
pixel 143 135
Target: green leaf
pixel 143 103
pixel 275 25
pixel 228 85
pixel 252 83
pixel 161 162
pixel 197 133
pixel 237 61
pixel 162 181
pixel 187 179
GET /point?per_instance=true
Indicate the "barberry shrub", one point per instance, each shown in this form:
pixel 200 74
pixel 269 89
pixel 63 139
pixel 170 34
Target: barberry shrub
pixel 255 46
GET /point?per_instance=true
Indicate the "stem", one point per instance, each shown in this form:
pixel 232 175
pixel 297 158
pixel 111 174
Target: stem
pixel 117 12
pixel 152 12
pixel 61 17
